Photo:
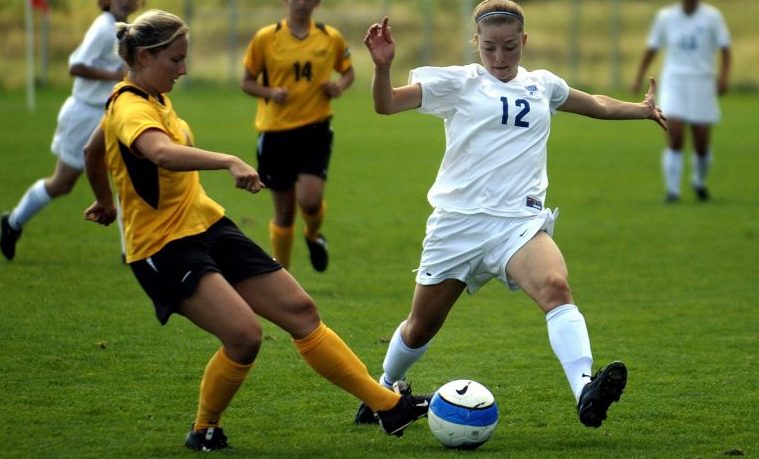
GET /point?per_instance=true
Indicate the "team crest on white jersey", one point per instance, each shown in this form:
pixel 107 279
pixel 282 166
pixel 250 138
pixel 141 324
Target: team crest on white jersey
pixel 534 202
pixel 532 89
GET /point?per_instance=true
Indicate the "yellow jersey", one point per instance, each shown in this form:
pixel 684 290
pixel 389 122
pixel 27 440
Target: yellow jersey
pixel 301 67
pixel 158 205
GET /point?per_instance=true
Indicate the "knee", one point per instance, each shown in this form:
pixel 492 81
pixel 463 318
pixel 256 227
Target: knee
pixel 301 317
pixel 305 309
pixel 56 188
pixel 555 291
pixel 418 333
pixel 243 343
pixel 303 306
pixel 311 206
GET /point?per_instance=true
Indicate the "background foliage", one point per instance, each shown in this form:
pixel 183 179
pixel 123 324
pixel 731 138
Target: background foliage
pixel 577 38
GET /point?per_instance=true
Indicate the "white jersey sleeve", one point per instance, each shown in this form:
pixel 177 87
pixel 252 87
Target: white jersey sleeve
pixel 97 49
pixel 555 86
pixel 441 88
pixel 657 38
pixel 722 33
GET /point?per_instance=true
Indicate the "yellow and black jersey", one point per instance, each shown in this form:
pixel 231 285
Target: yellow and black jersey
pixel 281 60
pixel 158 205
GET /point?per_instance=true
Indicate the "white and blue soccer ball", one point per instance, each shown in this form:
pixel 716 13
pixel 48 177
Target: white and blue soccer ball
pixel 463 414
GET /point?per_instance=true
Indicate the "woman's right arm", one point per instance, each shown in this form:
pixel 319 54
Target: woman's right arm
pixel 158 148
pixel 388 100
pixel 645 62
pixel 102 210
pixel 252 87
pixel 95 73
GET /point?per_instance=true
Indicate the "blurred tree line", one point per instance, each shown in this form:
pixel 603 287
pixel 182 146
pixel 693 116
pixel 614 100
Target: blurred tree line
pixel 592 43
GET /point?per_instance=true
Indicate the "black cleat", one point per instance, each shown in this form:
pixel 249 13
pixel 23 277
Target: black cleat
pixel 672 198
pixel 604 388
pixel 409 409
pixel 701 193
pixel 365 415
pixel 8 238
pixel 318 252
pixel 209 439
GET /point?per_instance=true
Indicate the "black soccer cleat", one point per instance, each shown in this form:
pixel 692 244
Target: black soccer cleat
pixel 8 238
pixel 317 251
pixel 604 388
pixel 701 192
pixel 409 409
pixel 672 198
pixel 365 415
pixel 207 440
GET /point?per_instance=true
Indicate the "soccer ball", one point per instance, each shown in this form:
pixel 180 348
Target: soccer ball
pixel 463 414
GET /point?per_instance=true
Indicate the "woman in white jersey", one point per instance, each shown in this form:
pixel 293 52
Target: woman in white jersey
pixel 489 220
pixel 96 67
pixel 692 32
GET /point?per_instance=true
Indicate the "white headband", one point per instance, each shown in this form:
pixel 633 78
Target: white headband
pixel 499 13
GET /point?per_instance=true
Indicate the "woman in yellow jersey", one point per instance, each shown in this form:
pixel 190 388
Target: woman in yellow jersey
pixel 289 67
pixel 187 256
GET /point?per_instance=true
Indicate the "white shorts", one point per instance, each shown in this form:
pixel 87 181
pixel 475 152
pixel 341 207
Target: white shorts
pixel 688 98
pixel 76 121
pixel 476 248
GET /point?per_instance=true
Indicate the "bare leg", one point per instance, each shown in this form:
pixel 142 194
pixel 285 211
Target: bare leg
pixel 702 159
pixel 539 269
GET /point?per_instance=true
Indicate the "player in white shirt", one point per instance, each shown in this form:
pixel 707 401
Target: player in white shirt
pixel 96 67
pixel 489 218
pixel 692 32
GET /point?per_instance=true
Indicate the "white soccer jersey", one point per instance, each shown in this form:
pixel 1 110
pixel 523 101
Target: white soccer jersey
pixel 691 40
pixel 496 135
pixel 98 49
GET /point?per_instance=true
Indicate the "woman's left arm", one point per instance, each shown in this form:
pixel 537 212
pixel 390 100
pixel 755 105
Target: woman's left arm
pixel 335 89
pixel 608 108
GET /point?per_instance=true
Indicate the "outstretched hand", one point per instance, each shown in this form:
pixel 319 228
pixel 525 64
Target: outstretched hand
pixel 655 112
pixel 380 43
pixel 246 177
pixel 100 213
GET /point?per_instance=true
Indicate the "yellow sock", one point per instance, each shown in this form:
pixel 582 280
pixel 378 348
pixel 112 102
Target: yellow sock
pixel 314 222
pixel 220 382
pixel 281 243
pixel 326 353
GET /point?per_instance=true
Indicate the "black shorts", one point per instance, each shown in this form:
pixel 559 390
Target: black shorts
pixel 172 274
pixel 283 155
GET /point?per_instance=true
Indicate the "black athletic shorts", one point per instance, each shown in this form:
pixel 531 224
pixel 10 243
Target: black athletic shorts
pixel 283 155
pixel 172 274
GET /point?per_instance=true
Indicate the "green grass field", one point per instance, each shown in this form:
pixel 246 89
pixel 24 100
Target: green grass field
pixel 87 372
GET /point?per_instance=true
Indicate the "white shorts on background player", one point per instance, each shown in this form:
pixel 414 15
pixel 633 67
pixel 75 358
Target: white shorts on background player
pixel 76 121
pixel 81 112
pixel 692 99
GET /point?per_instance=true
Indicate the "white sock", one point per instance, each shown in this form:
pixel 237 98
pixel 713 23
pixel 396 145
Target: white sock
pixel 701 166
pixel 570 342
pixel 33 201
pixel 399 358
pixel 672 168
